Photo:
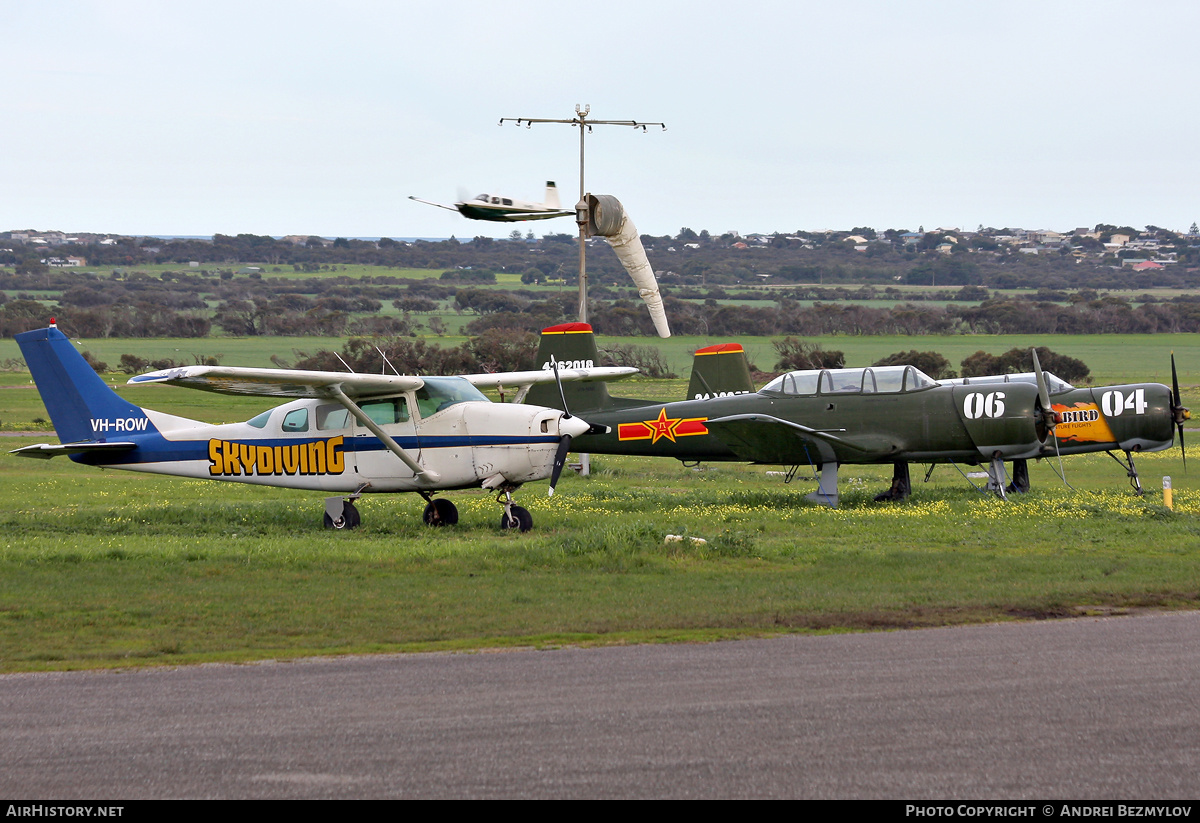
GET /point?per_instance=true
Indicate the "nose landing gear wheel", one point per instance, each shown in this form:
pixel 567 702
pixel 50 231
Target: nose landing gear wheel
pixel 440 512
pixel 350 518
pixel 517 517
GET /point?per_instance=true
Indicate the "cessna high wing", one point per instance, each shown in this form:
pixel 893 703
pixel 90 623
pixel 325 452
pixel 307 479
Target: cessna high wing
pixel 822 417
pixel 346 434
pixel 501 209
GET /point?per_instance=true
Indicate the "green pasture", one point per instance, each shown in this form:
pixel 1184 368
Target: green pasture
pixel 111 569
pixel 1120 358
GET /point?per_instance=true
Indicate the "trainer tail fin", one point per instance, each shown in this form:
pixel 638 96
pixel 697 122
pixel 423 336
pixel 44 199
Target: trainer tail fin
pixel 572 345
pixel 81 405
pixel 718 371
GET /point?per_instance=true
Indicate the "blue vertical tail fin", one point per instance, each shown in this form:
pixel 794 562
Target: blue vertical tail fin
pixel 81 405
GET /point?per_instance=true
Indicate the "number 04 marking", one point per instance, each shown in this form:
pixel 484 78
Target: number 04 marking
pixel 1114 402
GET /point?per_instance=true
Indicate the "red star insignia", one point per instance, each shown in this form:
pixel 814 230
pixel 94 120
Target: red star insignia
pixel 663 427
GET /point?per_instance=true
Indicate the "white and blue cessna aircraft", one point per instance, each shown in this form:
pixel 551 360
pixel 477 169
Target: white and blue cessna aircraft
pixel 347 433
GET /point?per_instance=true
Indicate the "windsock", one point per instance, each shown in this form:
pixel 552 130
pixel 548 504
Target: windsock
pixel 608 219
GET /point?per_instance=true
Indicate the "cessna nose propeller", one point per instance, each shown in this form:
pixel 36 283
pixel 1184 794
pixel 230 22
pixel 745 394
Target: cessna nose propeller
pixel 580 426
pixel 1178 411
pixel 564 442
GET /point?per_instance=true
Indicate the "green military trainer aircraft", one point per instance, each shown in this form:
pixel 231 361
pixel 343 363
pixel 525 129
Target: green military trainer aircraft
pixel 820 417
pixel 1129 417
pixel 875 415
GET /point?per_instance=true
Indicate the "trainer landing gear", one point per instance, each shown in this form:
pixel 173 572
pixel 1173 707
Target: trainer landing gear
pixel 997 476
pixel 827 486
pixel 514 517
pixel 1020 478
pixel 901 485
pixel 439 511
pixel 1130 470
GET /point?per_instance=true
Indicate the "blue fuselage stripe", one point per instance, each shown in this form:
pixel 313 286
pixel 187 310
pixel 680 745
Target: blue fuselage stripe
pixel 154 448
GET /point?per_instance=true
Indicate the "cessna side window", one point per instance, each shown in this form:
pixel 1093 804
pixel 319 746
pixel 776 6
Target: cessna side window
pixel 296 421
pixel 259 421
pixel 332 417
pixel 387 412
pixel 443 392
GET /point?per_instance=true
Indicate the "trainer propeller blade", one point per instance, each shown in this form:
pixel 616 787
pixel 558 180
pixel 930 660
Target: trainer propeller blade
pixel 1049 416
pixel 1177 409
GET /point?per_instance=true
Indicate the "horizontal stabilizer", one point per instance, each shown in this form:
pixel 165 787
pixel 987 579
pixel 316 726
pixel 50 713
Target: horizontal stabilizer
pixel 44 451
pixel 518 379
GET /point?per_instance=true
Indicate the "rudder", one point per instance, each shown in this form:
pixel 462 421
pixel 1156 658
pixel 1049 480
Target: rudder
pixel 80 403
pixel 718 371
pixel 573 345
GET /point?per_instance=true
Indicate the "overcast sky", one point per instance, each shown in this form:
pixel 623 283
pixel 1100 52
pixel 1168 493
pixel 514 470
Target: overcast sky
pixel 144 117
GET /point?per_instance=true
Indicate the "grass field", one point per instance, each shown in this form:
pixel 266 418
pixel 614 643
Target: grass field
pixel 109 569
pixel 101 569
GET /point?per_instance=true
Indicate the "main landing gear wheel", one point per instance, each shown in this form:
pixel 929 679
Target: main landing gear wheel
pixel 901 484
pixel 516 517
pixel 350 518
pixel 1020 478
pixel 440 512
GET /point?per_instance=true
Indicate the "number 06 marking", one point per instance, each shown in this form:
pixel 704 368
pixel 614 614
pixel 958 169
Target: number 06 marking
pixel 977 405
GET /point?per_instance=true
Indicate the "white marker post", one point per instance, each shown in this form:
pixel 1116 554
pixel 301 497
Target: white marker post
pixel 1167 501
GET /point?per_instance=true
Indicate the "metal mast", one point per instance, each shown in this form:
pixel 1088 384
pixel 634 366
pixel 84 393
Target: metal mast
pixel 581 121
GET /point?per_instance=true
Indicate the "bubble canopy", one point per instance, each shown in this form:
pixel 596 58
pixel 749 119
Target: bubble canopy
pixel 870 380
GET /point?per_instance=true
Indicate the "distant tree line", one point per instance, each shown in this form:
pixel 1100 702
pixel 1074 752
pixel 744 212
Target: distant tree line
pixel 1105 315
pixel 686 259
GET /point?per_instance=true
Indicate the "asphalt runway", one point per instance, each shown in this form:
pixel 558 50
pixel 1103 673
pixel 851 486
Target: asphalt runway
pixel 1089 708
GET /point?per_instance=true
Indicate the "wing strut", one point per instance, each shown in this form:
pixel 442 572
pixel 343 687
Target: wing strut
pixel 384 438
